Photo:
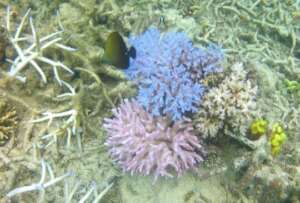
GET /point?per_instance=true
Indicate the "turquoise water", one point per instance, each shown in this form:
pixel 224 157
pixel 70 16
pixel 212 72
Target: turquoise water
pixel 56 91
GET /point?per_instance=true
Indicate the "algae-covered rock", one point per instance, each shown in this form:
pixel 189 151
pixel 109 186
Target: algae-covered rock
pixel 270 184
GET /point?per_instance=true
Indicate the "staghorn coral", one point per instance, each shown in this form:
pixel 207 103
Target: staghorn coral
pixel 168 69
pixel 230 106
pixel 8 122
pixel 140 143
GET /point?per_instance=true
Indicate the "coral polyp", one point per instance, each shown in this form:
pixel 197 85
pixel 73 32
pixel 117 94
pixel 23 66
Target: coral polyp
pixel 143 144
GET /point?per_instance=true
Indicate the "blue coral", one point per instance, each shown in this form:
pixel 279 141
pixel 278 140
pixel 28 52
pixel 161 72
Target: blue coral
pixel 167 69
pixel 169 92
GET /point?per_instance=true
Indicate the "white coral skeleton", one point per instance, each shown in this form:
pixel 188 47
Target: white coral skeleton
pixel 69 126
pixel 68 191
pixel 33 54
pixel 41 185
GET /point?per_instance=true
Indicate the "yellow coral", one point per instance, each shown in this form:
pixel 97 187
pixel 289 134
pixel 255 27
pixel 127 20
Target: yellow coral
pixel 277 139
pixel 259 127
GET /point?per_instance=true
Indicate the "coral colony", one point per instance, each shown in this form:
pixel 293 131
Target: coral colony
pixel 29 49
pixel 167 69
pixel 152 135
pixel 231 105
pixel 141 143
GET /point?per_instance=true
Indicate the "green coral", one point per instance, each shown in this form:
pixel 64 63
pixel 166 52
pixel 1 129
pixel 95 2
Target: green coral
pixel 278 137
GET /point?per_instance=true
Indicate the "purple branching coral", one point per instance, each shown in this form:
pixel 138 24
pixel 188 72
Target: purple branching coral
pixel 168 70
pixel 144 144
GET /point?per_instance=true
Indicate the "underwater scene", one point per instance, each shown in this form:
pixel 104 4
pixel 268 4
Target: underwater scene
pixel 150 101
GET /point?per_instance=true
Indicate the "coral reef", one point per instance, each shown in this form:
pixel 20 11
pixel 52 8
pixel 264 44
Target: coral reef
pixel 8 122
pixel 140 143
pixel 168 69
pixel 268 44
pixel 230 106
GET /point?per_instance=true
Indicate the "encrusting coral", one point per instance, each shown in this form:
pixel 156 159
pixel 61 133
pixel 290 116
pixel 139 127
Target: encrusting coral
pixel 168 70
pixel 8 122
pixel 141 143
pixel 230 106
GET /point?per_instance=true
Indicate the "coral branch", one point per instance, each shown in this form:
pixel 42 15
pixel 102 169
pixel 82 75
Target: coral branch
pixel 27 56
pixel 41 185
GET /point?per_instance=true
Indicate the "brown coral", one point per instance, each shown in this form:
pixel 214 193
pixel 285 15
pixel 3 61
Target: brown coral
pixel 8 122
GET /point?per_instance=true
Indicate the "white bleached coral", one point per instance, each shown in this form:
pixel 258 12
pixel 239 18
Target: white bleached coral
pixel 230 106
pixel 30 48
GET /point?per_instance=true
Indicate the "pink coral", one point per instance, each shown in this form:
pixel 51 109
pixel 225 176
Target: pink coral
pixel 144 144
